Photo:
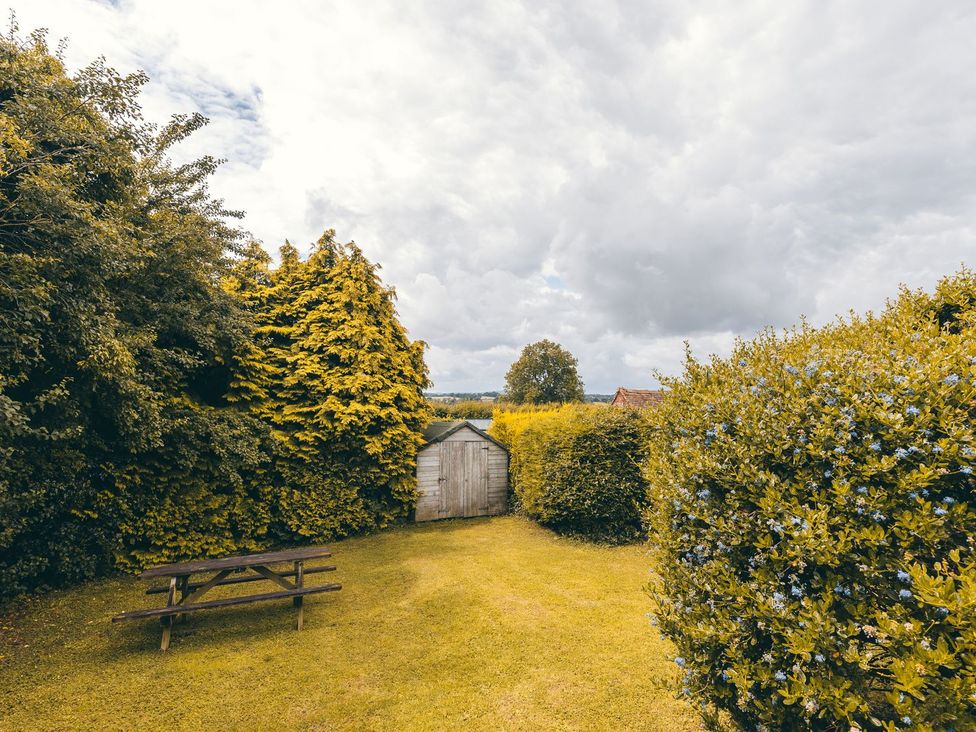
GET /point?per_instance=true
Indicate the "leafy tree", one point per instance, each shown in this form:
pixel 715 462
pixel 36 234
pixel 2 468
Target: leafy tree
pixel 544 373
pixel 115 343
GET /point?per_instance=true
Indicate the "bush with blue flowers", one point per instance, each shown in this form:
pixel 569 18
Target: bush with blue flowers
pixel 814 521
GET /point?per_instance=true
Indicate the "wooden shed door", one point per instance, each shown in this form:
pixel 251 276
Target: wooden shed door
pixel 464 479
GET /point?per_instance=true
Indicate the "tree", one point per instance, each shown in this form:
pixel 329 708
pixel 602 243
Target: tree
pixel 544 373
pixel 115 342
pixel 339 383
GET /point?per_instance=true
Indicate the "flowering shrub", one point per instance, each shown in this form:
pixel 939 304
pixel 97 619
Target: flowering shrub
pixel 814 521
pixel 577 469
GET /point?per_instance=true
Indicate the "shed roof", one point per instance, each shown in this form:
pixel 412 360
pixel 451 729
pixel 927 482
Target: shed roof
pixel 437 431
pixel 637 397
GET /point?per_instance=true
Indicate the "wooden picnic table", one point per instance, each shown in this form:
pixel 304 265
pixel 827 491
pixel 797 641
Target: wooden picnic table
pixel 190 593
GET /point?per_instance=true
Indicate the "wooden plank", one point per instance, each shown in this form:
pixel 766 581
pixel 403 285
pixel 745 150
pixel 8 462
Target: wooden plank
pixel 476 478
pixel 168 620
pixel 297 602
pixel 452 475
pixel 225 602
pixel 237 562
pixel 242 579
pixel 465 434
pixel 206 586
pixel 275 577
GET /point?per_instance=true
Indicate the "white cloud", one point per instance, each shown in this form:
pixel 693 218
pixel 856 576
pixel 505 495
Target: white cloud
pixel 619 177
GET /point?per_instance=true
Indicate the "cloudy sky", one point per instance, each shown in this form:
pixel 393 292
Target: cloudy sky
pixel 618 176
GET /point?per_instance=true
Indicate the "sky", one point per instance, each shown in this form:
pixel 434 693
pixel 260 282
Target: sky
pixel 620 177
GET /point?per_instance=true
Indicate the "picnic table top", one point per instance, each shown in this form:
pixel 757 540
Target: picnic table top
pixel 181 569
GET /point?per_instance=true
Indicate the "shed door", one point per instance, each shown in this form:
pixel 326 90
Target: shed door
pixel 464 479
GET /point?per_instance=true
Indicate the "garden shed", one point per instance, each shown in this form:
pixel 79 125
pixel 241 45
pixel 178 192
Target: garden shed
pixel 461 471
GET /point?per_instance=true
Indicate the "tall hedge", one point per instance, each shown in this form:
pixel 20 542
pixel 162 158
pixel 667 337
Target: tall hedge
pixel 334 376
pixel 115 341
pixel 577 469
pixel 147 413
pixel 814 521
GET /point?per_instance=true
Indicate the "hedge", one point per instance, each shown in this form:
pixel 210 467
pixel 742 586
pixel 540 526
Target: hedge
pixel 577 469
pixel 813 521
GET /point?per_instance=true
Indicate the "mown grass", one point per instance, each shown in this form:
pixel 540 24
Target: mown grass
pixel 476 624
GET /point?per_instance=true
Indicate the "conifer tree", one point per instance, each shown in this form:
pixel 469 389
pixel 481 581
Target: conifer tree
pixel 343 390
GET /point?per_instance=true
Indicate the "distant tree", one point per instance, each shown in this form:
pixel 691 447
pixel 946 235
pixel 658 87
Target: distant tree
pixel 544 373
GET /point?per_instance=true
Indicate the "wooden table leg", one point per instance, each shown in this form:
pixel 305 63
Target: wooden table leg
pixel 182 584
pixel 297 601
pixel 168 620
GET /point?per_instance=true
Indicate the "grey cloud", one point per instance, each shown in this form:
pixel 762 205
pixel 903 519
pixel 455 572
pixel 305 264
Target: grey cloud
pixel 617 177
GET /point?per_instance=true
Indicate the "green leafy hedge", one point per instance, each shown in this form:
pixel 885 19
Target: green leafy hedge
pixel 814 521
pixel 467 409
pixel 577 469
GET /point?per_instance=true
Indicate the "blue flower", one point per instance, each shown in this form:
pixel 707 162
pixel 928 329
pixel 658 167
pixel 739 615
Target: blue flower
pixel 887 398
pixel 906 720
pixel 828 473
pixel 680 661
pixel 704 493
pixel 952 379
pixel 876 446
pixel 862 489
pixel 819 658
pixel 948 500
pixel 901 453
pixel 905 594
pixel 839 450
pixel 967 451
pixel 966 470
pixel 779 676
pixel 899 379
pixel 912 410
pixel 796 591
pixel 939 511
pixel 742 362
pixel 936 450
pixel 796 451
pixel 942 611
pixel 791 369
pixel 904 576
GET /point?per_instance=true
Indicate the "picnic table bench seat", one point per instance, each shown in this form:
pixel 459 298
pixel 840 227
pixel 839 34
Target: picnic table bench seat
pixel 190 593
pixel 157 612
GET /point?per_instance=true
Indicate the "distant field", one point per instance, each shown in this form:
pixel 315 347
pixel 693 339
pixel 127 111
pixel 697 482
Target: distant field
pixel 475 624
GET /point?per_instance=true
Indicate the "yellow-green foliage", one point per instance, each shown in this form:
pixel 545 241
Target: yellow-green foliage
pixel 468 409
pixel 577 469
pixel 116 443
pixel 332 373
pixel 480 624
pixel 814 521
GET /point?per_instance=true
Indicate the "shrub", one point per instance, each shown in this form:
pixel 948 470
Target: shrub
pixel 467 409
pixel 814 521
pixel 577 469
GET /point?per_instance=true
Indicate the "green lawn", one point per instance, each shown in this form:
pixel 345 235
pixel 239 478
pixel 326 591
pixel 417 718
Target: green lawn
pixel 476 624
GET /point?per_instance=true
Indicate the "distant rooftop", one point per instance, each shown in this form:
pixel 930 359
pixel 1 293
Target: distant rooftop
pixel 637 397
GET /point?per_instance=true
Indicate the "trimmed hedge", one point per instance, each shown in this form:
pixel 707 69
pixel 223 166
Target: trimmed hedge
pixel 577 469
pixel 814 521
pixel 467 409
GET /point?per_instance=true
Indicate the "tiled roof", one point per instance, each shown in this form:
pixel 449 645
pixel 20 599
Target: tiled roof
pixel 637 397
